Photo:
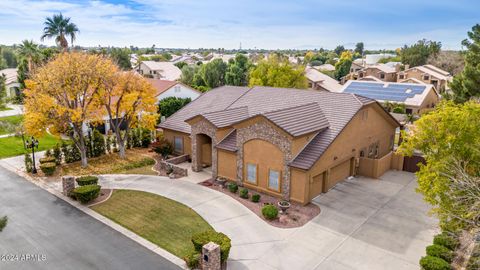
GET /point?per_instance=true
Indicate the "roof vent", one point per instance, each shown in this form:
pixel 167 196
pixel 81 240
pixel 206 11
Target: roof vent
pixel 408 91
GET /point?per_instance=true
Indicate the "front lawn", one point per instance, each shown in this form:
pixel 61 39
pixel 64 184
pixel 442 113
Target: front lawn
pixel 8 124
pixel 162 221
pixel 138 161
pixel 13 146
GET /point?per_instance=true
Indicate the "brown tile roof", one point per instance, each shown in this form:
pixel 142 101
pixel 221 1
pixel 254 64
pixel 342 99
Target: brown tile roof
pixel 229 142
pixel 215 100
pixel 161 85
pixel 296 111
pixel 225 118
pixel 299 120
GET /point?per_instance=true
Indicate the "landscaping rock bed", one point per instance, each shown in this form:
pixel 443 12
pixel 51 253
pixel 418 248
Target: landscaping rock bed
pixel 297 215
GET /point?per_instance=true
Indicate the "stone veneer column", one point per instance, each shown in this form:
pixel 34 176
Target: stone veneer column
pixel 211 258
pixel 264 131
pixel 68 184
pixel 204 127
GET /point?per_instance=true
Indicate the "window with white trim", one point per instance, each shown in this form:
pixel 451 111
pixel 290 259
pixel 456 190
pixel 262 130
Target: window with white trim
pixel 177 88
pixel 178 144
pixel 251 173
pixel 274 180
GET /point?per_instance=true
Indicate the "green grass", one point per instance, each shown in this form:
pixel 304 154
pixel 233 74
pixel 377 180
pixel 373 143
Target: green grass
pixel 8 124
pixel 13 146
pixel 5 109
pixel 162 221
pixel 145 170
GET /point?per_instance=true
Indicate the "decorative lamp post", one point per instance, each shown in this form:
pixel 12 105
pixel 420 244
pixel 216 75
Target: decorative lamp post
pixel 32 143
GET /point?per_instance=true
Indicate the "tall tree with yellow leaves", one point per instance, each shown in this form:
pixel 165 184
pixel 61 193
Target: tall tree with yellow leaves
pixel 60 95
pixel 130 102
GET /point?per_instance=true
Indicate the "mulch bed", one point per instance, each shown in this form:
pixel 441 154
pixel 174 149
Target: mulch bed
pixel 297 215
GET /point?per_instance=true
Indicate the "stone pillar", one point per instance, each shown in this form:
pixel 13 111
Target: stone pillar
pixel 68 184
pixel 211 259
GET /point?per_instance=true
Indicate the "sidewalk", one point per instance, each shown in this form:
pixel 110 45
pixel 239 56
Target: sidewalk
pixel 15 110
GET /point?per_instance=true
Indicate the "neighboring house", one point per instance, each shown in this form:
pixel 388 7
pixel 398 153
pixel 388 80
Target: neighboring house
pixel 426 74
pixel 289 143
pixel 372 59
pixel 159 70
pixel 417 98
pixel 326 67
pixel 320 81
pixel 12 86
pixel 380 71
pixel 173 89
pixel 370 79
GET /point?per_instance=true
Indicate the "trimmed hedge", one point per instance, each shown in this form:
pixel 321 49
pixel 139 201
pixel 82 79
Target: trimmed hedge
pixel 48 168
pixel 192 259
pixel 244 193
pixel 47 160
pixel 87 193
pixel 445 240
pixel 232 187
pixel 440 252
pixel 434 263
pixel 255 197
pixel 87 180
pixel 270 212
pixel 200 239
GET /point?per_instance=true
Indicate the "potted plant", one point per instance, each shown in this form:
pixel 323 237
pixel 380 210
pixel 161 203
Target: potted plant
pixel 284 205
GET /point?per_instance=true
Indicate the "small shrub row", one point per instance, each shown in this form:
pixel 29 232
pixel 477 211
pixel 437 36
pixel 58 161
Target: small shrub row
pixel 87 180
pixel 445 240
pixel 233 187
pixel 270 212
pixel 244 193
pixel 440 254
pixel 48 168
pixel 255 198
pixel 85 194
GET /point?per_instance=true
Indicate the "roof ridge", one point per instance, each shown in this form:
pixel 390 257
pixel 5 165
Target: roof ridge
pixel 233 102
pixel 293 107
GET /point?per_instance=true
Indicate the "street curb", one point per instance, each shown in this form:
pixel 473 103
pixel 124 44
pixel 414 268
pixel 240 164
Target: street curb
pixel 126 232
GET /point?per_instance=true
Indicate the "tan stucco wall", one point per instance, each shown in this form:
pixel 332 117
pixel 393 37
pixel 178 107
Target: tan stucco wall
pixel 375 72
pixel 299 143
pixel 187 143
pixel 375 168
pixel 227 164
pixel 431 98
pixel 358 134
pixel 266 156
pixel 417 74
pixel 222 132
pixel 299 186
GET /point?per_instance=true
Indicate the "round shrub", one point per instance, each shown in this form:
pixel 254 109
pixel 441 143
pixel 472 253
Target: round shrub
pixel 232 187
pixel 255 197
pixel 48 168
pixel 244 193
pixel 87 193
pixel 192 259
pixel 87 180
pixel 200 239
pixel 434 263
pixel 445 240
pixel 440 252
pixel 270 211
pixel 47 160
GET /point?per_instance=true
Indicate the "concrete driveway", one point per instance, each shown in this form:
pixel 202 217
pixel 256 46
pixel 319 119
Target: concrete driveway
pixel 41 224
pixel 364 224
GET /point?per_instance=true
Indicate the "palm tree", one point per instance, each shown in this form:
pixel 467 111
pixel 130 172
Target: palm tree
pixel 30 51
pixel 60 28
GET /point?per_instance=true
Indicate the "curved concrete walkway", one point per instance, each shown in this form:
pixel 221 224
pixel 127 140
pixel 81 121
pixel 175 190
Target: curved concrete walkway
pixel 364 224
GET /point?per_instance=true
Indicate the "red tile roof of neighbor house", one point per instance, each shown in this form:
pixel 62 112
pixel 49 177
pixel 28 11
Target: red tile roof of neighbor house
pixel 296 111
pixel 161 85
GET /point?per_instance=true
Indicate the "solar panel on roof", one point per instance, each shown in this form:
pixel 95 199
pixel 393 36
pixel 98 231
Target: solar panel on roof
pixel 391 92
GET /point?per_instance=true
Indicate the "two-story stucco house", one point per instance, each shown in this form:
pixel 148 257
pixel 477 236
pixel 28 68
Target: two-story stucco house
pixel 289 143
pixel 159 70
pixel 426 74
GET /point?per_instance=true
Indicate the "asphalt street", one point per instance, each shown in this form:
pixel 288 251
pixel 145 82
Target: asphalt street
pixel 44 232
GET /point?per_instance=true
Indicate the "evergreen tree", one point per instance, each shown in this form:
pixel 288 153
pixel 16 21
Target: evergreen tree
pixel 237 71
pixel 467 84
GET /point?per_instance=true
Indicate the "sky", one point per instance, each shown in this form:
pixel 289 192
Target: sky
pixel 266 24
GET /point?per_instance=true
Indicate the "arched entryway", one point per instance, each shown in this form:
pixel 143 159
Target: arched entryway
pixel 204 150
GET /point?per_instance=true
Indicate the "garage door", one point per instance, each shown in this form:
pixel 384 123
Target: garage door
pixel 316 186
pixel 338 174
